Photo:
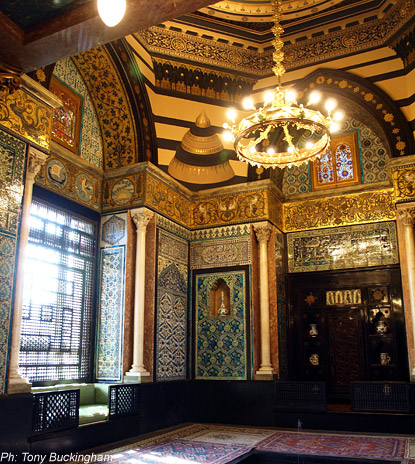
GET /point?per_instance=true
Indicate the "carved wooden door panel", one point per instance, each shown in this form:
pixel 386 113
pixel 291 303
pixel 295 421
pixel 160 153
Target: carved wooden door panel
pixel 345 349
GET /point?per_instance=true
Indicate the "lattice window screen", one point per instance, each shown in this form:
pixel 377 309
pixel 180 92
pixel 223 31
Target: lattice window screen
pixel 58 296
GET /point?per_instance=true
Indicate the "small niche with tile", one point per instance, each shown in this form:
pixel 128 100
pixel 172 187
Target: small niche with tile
pixel 220 299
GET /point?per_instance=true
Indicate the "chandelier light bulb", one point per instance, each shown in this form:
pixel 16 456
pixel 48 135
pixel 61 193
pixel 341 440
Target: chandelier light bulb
pixel 330 105
pixel 225 125
pixel 290 96
pixel 268 96
pixel 334 127
pixel 228 136
pixel 248 103
pixel 231 114
pixel 111 11
pixel 270 151
pixel 315 97
pixel 252 149
pixel 309 145
pixel 290 149
pixel 338 116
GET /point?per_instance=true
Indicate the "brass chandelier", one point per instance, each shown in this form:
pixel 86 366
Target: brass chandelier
pixel 281 132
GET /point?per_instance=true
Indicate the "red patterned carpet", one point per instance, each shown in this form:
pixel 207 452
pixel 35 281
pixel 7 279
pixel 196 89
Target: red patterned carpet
pixel 220 444
pixel 364 447
pixel 180 451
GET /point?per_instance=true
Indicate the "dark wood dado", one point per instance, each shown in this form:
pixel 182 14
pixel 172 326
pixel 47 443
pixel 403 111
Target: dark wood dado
pixel 346 327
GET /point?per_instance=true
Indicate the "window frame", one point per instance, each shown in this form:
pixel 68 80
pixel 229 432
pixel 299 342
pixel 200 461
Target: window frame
pixel 350 138
pixel 68 207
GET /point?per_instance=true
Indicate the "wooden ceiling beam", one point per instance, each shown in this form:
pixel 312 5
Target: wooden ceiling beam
pixel 82 29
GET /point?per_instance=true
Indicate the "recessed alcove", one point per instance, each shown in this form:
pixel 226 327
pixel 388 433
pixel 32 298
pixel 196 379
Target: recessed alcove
pixel 220 301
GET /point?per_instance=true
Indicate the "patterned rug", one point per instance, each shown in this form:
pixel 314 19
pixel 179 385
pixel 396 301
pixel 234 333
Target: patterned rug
pixel 230 435
pixel 180 451
pixel 364 447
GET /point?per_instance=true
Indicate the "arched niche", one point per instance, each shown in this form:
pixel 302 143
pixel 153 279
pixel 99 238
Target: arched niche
pixel 220 301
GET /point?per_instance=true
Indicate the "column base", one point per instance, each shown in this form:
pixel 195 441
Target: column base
pixel 137 377
pixel 18 384
pixel 265 373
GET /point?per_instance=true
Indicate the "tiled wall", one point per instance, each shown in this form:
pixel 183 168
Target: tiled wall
pixel 12 166
pixel 110 320
pixel 171 307
pixel 346 247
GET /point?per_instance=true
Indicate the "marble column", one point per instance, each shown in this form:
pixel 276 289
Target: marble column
pixel 138 373
pixel 406 216
pixel 15 382
pixel 263 233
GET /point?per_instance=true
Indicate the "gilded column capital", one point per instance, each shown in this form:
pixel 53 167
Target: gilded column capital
pixel 141 217
pixel 35 160
pixel 406 215
pixel 262 231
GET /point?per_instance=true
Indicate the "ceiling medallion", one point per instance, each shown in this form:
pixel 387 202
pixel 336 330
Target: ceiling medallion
pixel 281 132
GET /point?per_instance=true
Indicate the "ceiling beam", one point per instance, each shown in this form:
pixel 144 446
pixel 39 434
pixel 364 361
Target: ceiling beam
pixel 82 29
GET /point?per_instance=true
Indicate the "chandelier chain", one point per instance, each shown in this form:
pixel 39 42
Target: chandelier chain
pixel 278 43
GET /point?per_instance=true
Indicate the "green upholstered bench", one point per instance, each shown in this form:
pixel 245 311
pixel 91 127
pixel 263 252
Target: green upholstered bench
pixel 93 399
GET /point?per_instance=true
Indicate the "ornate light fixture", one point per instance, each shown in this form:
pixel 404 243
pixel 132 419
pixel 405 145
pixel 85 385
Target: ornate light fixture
pixel 281 132
pixel 111 11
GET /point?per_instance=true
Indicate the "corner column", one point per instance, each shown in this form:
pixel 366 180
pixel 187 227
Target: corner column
pixel 406 216
pixel 15 382
pixel 138 373
pixel 263 233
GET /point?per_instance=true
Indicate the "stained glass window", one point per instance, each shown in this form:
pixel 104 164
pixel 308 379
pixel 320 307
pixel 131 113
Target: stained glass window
pixel 66 119
pixel 325 168
pixel 339 166
pixel 344 163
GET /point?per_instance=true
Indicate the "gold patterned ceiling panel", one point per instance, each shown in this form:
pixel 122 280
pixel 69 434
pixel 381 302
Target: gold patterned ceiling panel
pixel 261 11
pixel 112 106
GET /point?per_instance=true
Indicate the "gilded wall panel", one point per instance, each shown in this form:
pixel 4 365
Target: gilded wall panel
pixel 27 117
pixel 356 208
pixel 346 247
pixel 239 207
pixel 404 182
pixel 217 253
pixel 167 201
pixel 71 181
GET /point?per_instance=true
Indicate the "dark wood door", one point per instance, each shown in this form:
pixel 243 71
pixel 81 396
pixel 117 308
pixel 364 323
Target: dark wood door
pixel 345 349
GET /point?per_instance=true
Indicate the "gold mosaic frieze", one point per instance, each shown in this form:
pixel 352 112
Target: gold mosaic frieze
pixel 403 178
pixel 166 200
pixel 69 180
pixel 352 39
pixel 27 117
pixel 205 51
pixel 123 192
pixel 240 207
pixel 358 208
